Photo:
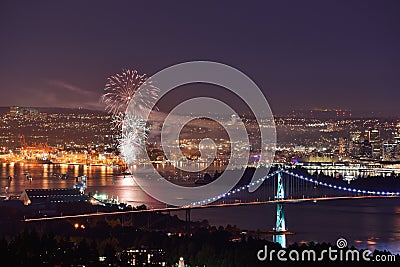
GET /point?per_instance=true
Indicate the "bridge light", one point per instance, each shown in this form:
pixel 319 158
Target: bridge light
pixel 378 193
pixel 335 186
pixel 339 187
pixel 359 191
pixel 397 193
pixel 363 191
pixel 354 190
pixel 330 185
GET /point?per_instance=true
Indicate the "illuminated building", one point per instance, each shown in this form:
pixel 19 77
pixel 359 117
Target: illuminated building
pixel 181 262
pixel 343 146
pixel 372 144
pixel 52 196
pixel 375 140
pixel 355 143
pixel 143 257
pixel 390 151
pixel 14 111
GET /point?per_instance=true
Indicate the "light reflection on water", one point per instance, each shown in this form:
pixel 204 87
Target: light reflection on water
pixel 368 223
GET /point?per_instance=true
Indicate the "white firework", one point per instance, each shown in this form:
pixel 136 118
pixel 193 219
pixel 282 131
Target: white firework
pixel 122 88
pixel 132 142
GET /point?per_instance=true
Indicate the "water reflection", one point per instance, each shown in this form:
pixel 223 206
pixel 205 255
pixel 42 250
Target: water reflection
pixel 280 239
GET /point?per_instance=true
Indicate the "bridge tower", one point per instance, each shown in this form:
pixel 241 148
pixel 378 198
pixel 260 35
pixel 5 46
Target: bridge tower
pixel 280 226
pixel 280 214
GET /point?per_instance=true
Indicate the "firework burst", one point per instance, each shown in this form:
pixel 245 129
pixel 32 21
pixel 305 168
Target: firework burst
pixel 121 89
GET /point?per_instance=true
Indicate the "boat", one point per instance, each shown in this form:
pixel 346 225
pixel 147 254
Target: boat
pixel 126 172
pixel 81 183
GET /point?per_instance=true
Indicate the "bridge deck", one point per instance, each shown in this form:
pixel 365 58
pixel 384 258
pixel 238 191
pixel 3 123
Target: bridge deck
pixel 205 207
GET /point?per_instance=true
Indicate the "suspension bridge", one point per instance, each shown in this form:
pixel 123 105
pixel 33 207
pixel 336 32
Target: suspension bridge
pixel 279 187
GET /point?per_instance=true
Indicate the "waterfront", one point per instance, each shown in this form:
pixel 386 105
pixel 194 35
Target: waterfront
pixel 372 224
pixel 359 221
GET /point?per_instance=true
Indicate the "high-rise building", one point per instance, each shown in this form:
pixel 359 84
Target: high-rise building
pixel 355 143
pixel 374 135
pixel 375 140
pixel 366 149
pixel 390 151
pixel 372 142
pixel 343 146
pixel 396 138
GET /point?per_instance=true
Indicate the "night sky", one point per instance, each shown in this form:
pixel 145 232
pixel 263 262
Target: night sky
pixel 303 54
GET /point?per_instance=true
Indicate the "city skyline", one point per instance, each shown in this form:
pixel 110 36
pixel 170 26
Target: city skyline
pixel 303 58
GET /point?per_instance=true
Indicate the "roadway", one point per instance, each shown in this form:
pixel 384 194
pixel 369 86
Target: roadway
pixel 235 204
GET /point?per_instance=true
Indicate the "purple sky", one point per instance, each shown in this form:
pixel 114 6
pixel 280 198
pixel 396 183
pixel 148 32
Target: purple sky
pixel 303 54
